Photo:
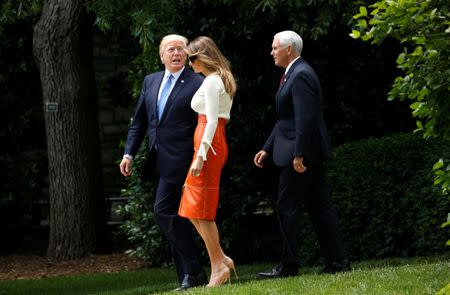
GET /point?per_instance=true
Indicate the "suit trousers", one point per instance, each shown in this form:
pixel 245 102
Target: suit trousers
pixel 312 189
pixel 177 230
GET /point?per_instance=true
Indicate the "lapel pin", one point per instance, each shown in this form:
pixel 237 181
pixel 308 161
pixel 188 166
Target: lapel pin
pixel 182 81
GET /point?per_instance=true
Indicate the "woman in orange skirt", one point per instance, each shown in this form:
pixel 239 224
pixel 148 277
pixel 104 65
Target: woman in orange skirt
pixel 200 198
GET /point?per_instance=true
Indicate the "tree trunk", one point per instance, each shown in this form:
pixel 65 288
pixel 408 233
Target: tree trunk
pixel 62 48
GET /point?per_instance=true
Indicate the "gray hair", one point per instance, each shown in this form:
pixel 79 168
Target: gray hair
pixel 290 38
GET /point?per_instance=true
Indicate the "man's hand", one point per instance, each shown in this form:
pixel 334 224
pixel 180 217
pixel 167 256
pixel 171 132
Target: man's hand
pixel 259 158
pixel 298 165
pixel 196 167
pixel 125 167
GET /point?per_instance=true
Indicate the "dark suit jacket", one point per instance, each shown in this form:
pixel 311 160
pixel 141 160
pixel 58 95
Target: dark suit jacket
pixel 172 136
pixel 300 128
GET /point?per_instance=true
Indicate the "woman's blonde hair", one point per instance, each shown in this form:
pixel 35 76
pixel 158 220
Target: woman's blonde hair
pixel 213 60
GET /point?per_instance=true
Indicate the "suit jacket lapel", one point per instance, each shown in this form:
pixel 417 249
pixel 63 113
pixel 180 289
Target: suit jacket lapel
pixel 154 94
pixel 291 69
pixel 286 79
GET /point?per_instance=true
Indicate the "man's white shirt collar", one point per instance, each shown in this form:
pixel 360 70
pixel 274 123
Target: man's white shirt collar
pixel 175 75
pixel 290 64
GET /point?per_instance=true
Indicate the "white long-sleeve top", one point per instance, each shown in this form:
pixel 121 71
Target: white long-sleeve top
pixel 211 100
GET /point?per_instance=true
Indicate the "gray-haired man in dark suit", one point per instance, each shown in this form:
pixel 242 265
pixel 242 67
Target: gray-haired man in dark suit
pixel 299 144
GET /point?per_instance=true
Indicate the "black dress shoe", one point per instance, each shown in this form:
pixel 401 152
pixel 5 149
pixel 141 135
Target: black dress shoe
pixel 279 271
pixel 335 267
pixel 191 281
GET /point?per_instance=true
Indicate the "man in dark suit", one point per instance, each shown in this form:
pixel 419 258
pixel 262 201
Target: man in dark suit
pixel 164 113
pixel 299 144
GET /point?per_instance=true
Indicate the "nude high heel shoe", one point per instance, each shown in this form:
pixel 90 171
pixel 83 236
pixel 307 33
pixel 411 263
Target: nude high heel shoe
pixel 230 264
pixel 221 278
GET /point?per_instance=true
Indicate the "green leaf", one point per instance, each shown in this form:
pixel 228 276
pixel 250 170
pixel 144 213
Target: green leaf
pixel 446 184
pixel 432 53
pixel 414 105
pixel 365 37
pixel 445 224
pixel 363 11
pixel 355 34
pixel 401 58
pixel 438 165
pixel 418 51
pixel 419 125
pixel 419 40
pixel 362 23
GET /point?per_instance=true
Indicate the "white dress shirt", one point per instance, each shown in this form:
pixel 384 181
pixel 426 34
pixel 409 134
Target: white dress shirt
pixel 211 100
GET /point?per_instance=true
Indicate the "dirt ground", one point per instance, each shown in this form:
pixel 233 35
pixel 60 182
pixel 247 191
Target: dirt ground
pixel 16 267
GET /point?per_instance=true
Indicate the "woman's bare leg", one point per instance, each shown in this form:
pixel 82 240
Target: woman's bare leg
pixel 220 263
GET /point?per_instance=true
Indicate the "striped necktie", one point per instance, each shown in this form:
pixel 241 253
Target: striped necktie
pixel 282 80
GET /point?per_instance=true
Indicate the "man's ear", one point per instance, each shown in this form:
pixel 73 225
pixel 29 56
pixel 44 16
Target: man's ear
pixel 289 50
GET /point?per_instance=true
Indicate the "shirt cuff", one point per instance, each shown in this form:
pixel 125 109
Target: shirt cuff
pixel 128 156
pixel 201 153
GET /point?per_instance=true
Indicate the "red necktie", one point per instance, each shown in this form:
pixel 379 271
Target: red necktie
pixel 282 80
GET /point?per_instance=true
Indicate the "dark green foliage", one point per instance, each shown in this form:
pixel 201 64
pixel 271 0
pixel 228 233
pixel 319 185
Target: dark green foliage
pixel 354 89
pixel 355 78
pixel 12 11
pixel 22 134
pixel 384 192
pixel 422 26
pixel 356 106
pixel 140 226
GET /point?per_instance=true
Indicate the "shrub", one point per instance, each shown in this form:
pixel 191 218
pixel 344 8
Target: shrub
pixel 384 192
pixel 140 226
pixel 382 187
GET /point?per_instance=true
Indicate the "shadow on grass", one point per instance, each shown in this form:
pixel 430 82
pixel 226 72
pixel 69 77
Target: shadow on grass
pixel 141 282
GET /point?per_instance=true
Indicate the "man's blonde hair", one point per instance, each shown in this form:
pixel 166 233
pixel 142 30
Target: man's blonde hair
pixel 170 38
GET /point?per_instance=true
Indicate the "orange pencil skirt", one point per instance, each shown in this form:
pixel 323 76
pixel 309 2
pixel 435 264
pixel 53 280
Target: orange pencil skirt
pixel 200 197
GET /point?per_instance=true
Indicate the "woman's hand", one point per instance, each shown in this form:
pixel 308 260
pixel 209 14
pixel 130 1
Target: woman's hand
pixel 196 167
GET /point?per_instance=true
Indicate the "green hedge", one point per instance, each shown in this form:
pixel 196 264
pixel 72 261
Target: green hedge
pixel 382 188
pixel 140 226
pixel 384 192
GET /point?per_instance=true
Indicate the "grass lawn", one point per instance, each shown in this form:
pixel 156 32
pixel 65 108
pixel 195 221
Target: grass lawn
pixel 423 275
